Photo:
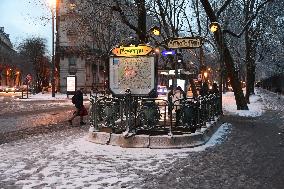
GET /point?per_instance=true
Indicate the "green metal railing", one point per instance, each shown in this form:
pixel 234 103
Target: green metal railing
pixel 137 115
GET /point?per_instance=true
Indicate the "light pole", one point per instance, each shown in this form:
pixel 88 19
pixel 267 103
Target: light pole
pixel 52 7
pixel 215 27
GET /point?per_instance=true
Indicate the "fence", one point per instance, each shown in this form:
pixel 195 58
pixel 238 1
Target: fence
pixel 132 114
pixel 274 83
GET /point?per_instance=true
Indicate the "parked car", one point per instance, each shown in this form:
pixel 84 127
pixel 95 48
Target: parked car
pixel 10 89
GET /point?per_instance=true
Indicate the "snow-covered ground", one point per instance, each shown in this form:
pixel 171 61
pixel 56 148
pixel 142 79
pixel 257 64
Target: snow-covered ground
pixel 48 96
pixel 261 101
pixel 64 160
pixel 256 107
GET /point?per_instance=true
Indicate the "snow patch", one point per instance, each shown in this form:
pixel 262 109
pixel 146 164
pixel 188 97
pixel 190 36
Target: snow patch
pixel 256 107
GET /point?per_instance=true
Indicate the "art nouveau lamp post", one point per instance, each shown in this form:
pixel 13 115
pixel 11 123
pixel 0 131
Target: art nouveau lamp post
pixel 215 28
pixel 52 4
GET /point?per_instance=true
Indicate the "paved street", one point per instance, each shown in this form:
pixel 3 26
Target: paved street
pixel 31 117
pixel 246 153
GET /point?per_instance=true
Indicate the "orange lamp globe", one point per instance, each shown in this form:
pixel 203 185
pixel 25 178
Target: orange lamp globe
pixel 51 3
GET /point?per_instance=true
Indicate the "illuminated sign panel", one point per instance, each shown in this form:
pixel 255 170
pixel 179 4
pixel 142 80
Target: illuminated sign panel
pixel 71 83
pixel 166 53
pixel 132 51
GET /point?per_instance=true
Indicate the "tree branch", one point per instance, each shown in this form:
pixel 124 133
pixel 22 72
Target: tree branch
pixel 249 22
pixel 123 17
pixel 224 6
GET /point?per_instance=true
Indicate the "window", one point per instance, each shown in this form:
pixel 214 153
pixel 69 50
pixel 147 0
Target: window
pixel 72 61
pixel 71 32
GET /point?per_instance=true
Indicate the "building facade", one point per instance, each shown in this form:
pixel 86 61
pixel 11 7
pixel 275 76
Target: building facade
pixel 75 50
pixel 10 73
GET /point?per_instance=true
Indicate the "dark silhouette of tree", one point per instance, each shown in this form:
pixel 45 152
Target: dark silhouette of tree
pixel 34 49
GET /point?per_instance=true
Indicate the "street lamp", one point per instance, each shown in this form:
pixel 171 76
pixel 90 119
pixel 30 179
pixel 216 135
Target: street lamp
pixel 205 75
pixel 215 28
pixel 52 4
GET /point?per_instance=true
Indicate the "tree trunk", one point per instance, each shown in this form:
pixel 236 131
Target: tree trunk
pixel 250 66
pixel 228 60
pixel 142 31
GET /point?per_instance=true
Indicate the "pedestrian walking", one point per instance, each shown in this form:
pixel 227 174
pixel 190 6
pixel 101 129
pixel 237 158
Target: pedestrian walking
pixel 178 96
pixel 81 111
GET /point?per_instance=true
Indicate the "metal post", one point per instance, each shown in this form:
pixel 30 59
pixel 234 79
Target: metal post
pixel 221 69
pixel 176 71
pixel 52 61
pixel 27 90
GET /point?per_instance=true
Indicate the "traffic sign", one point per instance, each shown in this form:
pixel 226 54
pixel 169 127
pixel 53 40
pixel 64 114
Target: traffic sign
pixel 185 43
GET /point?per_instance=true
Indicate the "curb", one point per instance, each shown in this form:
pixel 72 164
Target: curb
pixel 155 142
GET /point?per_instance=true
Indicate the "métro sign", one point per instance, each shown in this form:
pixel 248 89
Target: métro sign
pixel 184 43
pixel 133 68
pixel 140 50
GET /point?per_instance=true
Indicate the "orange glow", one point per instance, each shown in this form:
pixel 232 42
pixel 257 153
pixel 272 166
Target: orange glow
pixel 205 74
pixel 52 3
pixel 157 50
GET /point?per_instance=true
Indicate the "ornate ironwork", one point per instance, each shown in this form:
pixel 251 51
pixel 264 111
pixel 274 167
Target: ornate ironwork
pixel 131 114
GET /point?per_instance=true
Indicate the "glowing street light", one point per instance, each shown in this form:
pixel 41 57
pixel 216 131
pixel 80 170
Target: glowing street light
pixel 157 50
pixel 155 30
pixel 215 28
pixel 52 3
pixel 205 74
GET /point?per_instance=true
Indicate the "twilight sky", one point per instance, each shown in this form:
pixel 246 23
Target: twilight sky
pixel 25 18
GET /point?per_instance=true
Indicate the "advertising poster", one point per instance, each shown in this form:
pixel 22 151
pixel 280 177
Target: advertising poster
pixel 71 83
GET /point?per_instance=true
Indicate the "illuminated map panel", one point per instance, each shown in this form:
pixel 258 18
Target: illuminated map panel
pixel 134 73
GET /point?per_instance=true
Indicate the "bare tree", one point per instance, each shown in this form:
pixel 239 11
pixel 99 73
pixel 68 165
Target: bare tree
pixel 228 59
pixel 34 49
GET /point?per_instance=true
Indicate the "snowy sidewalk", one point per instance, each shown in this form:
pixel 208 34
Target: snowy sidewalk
pixel 241 155
pixel 67 160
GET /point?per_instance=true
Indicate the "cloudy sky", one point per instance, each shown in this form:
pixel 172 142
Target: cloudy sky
pixel 25 18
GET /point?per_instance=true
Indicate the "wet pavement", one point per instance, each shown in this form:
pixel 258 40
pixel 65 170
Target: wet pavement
pixel 251 157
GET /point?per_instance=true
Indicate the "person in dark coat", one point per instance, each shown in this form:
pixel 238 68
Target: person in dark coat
pixel 204 89
pixel 214 89
pixel 170 99
pixel 77 100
